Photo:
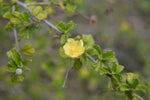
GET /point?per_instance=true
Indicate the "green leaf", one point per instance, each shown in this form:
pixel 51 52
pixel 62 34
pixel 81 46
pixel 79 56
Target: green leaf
pixel 104 70
pixel 15 56
pixel 88 41
pixel 77 64
pixel 13 1
pixel 97 65
pixel 26 31
pixel 98 51
pixel 141 87
pixel 9 26
pixel 132 80
pixel 17 78
pixel 24 17
pixel 28 49
pixel 70 7
pixel 70 26
pixel 124 87
pixel 11 67
pixel 117 77
pixel 83 57
pixel 7 15
pixel 91 51
pixel 62 52
pixel 15 14
pixel 119 68
pixel 108 55
pixel 61 26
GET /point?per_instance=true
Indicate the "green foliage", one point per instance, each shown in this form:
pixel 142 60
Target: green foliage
pixel 88 41
pixel 65 28
pixel 76 64
pixel 104 63
pixel 26 31
pixel 108 55
pixel 28 49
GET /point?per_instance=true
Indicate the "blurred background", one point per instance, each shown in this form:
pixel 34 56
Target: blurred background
pixel 122 25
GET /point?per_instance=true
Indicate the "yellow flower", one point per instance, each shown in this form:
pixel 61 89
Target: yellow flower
pixel 74 48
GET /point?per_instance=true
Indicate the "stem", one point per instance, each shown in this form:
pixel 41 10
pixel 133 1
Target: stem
pixel 15 32
pixel 66 76
pixel 111 84
pixel 45 21
pixel 42 3
pixel 139 97
pixel 91 58
pixel 84 16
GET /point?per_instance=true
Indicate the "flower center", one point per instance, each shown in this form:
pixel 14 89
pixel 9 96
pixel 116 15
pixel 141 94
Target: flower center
pixel 73 50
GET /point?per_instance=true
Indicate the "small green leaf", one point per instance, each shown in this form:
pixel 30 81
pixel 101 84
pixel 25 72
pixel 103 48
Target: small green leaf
pixel 15 56
pixel 26 31
pixel 15 14
pixel 24 17
pixel 17 78
pixel 70 7
pixel 70 26
pixel 11 67
pixel 108 55
pixel 124 87
pixel 119 68
pixel 83 57
pixel 28 49
pixel 9 26
pixel 7 15
pixel 77 64
pixel 141 87
pixel 88 41
pixel 104 70
pixel 61 26
pixel 98 51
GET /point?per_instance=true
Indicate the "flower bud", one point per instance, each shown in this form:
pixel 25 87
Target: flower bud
pixel 18 71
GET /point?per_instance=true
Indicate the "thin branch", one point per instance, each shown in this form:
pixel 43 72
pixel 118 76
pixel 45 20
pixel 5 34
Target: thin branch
pixel 139 97
pixel 45 21
pixel 42 3
pixel 84 16
pixel 66 76
pixel 15 32
pixel 111 84
pixel 91 58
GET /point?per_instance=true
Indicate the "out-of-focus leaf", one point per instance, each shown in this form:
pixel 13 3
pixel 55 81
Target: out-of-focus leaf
pixel 28 49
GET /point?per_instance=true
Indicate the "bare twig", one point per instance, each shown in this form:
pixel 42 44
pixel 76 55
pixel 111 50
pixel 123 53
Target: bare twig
pixel 91 58
pixel 84 16
pixel 111 84
pixel 45 21
pixel 42 3
pixel 15 32
pixel 66 76
pixel 139 97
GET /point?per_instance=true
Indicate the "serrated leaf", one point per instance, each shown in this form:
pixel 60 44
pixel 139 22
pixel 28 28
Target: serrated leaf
pixel 88 41
pixel 7 15
pixel 15 56
pixel 9 26
pixel 117 77
pixel 61 26
pixel 108 55
pixel 141 87
pixel 83 57
pixel 28 49
pixel 24 17
pixel 124 87
pixel 104 70
pixel 15 14
pixel 70 7
pixel 26 31
pixel 14 20
pixel 98 51
pixel 37 10
pixel 70 26
pixel 119 68
pixel 11 67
